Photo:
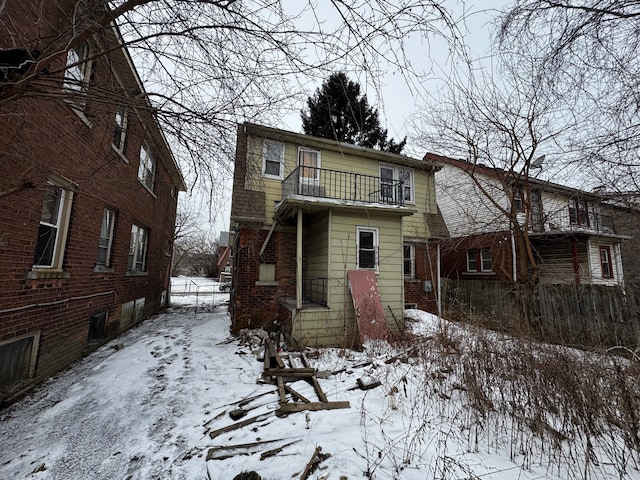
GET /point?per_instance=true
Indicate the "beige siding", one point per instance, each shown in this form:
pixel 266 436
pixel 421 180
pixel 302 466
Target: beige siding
pixel 318 247
pixel 324 327
pixel 596 266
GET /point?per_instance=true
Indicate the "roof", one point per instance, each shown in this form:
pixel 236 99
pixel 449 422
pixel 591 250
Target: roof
pixel 336 146
pixel 495 172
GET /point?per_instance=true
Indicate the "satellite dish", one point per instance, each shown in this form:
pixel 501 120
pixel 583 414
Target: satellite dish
pixel 537 163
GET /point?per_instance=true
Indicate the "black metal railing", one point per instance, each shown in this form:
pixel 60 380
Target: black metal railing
pixel 570 219
pixel 314 290
pixel 339 185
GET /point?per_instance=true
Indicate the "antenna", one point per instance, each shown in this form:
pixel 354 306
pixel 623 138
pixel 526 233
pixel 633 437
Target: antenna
pixel 537 163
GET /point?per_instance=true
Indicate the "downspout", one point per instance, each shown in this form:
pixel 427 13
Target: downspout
pixel 439 300
pixel 514 260
pixel 299 262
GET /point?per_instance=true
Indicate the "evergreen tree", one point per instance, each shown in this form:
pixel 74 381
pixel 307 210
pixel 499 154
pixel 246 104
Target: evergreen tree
pixel 338 111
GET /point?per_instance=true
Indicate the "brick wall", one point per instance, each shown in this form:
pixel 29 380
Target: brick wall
pixel 44 137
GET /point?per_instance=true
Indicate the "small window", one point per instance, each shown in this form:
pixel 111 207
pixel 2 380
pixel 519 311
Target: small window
pixel 605 262
pixel 309 162
pixel 78 70
pixel 518 205
pixel 138 249
pixel 409 260
pixel 479 260
pixel 147 168
pixel 52 232
pixel 273 164
pixel 106 237
pixel 120 129
pixel 267 272
pixel 367 248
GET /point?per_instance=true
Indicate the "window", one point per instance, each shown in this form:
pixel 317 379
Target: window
pixel 120 129
pixel 396 183
pixel 367 248
pixel 106 237
pixel 147 168
pixel 78 72
pixel 309 162
pixel 273 159
pixel 138 249
pixel 518 205
pixel 479 260
pixel 408 260
pixel 54 220
pixel 605 261
pixel 578 213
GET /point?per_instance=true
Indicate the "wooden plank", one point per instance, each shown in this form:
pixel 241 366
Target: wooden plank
pixel 275 451
pixel 370 320
pixel 313 406
pixel 294 393
pixel 291 372
pixel 319 392
pixel 307 469
pixel 243 423
pixel 283 397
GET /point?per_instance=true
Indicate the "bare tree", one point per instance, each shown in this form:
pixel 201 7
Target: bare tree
pixel 208 64
pixel 499 129
pixel 588 54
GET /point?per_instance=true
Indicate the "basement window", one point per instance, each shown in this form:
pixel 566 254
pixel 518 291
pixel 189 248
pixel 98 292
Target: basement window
pixel 17 360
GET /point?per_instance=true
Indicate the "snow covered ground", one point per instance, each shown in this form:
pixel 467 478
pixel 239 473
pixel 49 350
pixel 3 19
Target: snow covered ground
pixel 144 407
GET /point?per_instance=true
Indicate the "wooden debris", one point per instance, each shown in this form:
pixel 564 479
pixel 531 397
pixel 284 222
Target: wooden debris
pixel 367 386
pixel 243 423
pixel 225 451
pixel 275 451
pixel 295 394
pixel 310 464
pixel 313 406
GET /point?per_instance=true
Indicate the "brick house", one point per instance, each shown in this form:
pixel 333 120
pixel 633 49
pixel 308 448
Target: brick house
pixel 571 232
pixel 88 197
pixel 307 211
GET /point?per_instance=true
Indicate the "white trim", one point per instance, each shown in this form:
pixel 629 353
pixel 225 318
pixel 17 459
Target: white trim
pixel 412 273
pixel 397 169
pixel 280 175
pixel 376 248
pixel 309 180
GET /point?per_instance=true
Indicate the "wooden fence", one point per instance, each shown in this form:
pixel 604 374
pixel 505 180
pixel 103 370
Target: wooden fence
pixel 584 315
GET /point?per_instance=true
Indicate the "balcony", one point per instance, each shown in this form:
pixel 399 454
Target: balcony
pixel 574 220
pixel 345 186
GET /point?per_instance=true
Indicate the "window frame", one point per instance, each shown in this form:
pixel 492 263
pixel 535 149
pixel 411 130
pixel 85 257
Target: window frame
pixel 78 68
pixel 105 242
pixel 137 251
pixel 147 166
pixel 398 171
pixel 579 213
pixel 411 259
pixel 477 257
pixel 265 149
pixel 606 249
pixel 120 129
pixel 306 179
pixel 63 215
pixel 375 248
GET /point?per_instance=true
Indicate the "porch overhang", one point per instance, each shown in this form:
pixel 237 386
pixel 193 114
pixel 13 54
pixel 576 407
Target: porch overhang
pixel 578 234
pixel 288 207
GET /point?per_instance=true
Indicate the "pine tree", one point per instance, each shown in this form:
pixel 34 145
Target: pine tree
pixel 338 111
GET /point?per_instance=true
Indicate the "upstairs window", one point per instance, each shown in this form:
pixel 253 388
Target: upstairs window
pixel 52 232
pixel 106 238
pixel 78 70
pixel 273 159
pixel 396 184
pixel 579 213
pixel 479 260
pixel 120 129
pixel 147 168
pixel 367 248
pixel 138 249
pixel 518 204
pixel 606 265
pixel 309 162
pixel 408 260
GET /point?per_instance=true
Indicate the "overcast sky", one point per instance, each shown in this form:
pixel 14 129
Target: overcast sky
pixel 399 100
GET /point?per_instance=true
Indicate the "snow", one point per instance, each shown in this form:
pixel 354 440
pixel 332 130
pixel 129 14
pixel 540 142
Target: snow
pixel 143 407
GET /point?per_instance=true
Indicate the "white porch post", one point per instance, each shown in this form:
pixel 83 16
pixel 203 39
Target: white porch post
pixel 439 291
pixel 299 262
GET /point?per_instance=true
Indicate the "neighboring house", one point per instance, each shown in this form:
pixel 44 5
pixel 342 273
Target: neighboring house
pixel 88 196
pixel 223 253
pixel 306 211
pixel 571 232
